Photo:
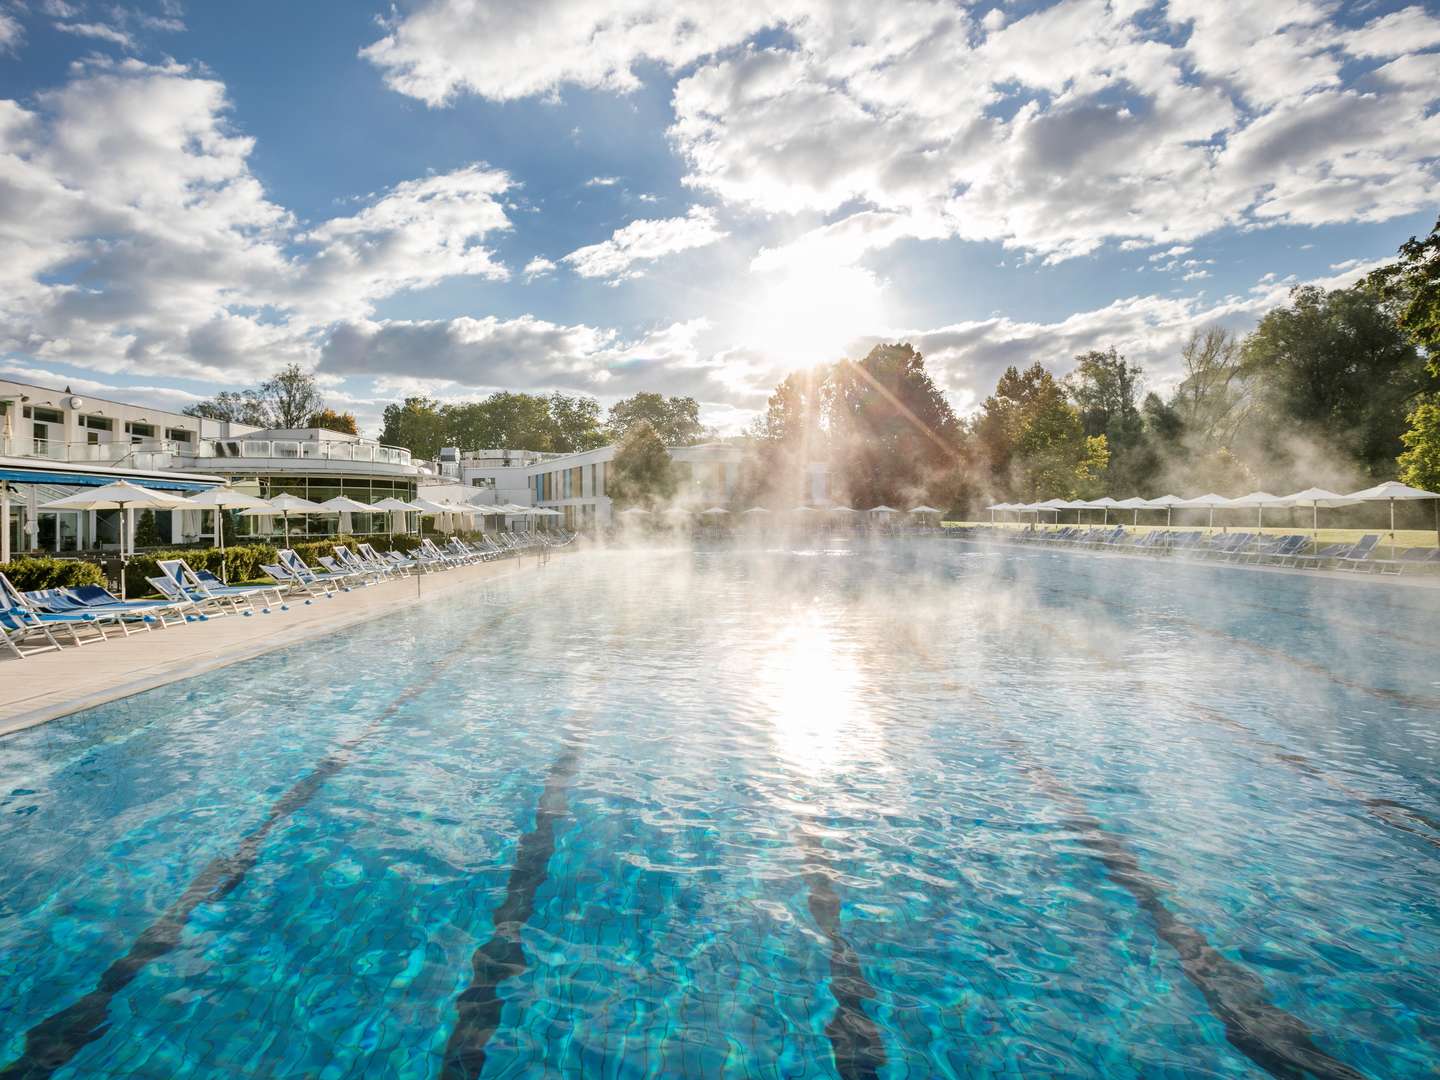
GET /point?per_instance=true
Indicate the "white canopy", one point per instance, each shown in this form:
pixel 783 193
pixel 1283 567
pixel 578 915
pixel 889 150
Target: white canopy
pixel 1391 489
pixel 755 510
pixel 426 506
pixel 713 511
pixel 1103 501
pixel 1314 497
pixel 677 511
pixel 1259 498
pixel 923 509
pixel 803 510
pixel 121 495
pixel 343 504
pixel 393 504
pixel 1132 503
pixel 633 510
pixel 224 498
pixel 843 510
pixel 1165 502
pixel 882 510
pixel 1204 502
pixel 117 496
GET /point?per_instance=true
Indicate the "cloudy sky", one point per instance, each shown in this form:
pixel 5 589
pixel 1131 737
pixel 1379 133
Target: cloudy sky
pixel 603 196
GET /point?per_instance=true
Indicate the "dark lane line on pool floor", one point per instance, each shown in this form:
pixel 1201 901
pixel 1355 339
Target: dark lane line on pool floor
pixel 54 1041
pixel 1390 812
pixel 502 957
pixel 1399 697
pixel 1272 1038
pixel 854 1037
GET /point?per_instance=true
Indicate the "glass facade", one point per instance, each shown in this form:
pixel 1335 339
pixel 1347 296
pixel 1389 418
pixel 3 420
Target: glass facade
pixel 320 489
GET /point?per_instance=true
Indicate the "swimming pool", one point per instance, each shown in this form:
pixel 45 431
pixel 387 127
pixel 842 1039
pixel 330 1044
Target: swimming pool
pixel 927 810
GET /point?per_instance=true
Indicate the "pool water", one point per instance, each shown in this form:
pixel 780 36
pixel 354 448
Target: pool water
pixel 920 810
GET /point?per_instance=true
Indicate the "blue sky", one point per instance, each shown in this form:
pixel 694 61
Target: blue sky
pixel 452 196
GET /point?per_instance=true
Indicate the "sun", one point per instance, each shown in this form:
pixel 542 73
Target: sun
pixel 809 313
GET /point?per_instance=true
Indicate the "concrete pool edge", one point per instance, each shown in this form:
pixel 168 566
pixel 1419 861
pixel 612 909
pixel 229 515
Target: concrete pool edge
pixel 53 685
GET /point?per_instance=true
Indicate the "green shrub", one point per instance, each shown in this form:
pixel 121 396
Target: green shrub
pixel 28 574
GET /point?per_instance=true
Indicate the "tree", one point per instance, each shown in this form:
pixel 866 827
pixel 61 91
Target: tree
pixel 1104 386
pixel 575 422
pixel 1420 463
pixel 415 424
pixel 240 407
pixel 784 440
pixel 1335 369
pixel 287 399
pixel 147 533
pixel 892 432
pixel 641 473
pixel 1212 401
pixel 292 396
pixel 1412 284
pixel 330 420
pixel 675 420
pixel 1034 440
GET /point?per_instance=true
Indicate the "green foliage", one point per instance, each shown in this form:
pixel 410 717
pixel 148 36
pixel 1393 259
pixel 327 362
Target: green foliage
pixel 28 574
pixel 416 424
pixel 674 420
pixel 1034 439
pixel 1412 283
pixel 147 535
pixel 1420 463
pixel 641 473
pixel 892 429
pixel 556 424
pixel 881 423
pixel 1335 368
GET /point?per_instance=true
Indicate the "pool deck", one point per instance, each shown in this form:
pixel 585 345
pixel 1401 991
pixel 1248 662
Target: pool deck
pixel 54 684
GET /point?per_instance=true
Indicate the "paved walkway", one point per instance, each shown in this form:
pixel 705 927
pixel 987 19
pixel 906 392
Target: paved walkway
pixel 53 684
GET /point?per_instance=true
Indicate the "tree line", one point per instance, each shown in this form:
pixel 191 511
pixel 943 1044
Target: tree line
pixel 1336 388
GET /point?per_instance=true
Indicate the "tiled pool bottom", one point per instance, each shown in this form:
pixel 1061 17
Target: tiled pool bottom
pixel 923 811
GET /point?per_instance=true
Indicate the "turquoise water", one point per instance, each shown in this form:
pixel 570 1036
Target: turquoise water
pixel 920 811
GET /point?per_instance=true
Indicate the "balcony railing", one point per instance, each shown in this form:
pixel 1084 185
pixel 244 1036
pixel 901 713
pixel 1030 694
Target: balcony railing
pixel 172 454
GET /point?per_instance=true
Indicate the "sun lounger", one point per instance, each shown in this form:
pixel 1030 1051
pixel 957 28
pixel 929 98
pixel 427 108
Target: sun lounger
pixel 1360 557
pixel 399 564
pixel 203 586
pixel 134 616
pixel 344 580
pixel 24 615
pixel 351 561
pixel 23 635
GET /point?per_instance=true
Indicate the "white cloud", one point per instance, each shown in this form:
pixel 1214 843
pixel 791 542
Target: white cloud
pixel 417 234
pixel 11 33
pixel 1082 123
pixel 97 31
pixel 602 181
pixel 538 267
pixel 138 239
pixel 504 51
pixel 644 241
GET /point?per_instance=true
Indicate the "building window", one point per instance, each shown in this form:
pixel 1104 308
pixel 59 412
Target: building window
pixel 176 434
pixel 44 416
pixel 139 430
pixel 97 423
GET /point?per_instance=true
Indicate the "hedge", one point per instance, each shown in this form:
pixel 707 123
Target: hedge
pixel 28 574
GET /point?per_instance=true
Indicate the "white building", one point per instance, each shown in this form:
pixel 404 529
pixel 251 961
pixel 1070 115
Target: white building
pixel 53 443
pixel 576 484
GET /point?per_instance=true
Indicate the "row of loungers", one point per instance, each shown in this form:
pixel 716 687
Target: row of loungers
pixel 1294 550
pixel 47 619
